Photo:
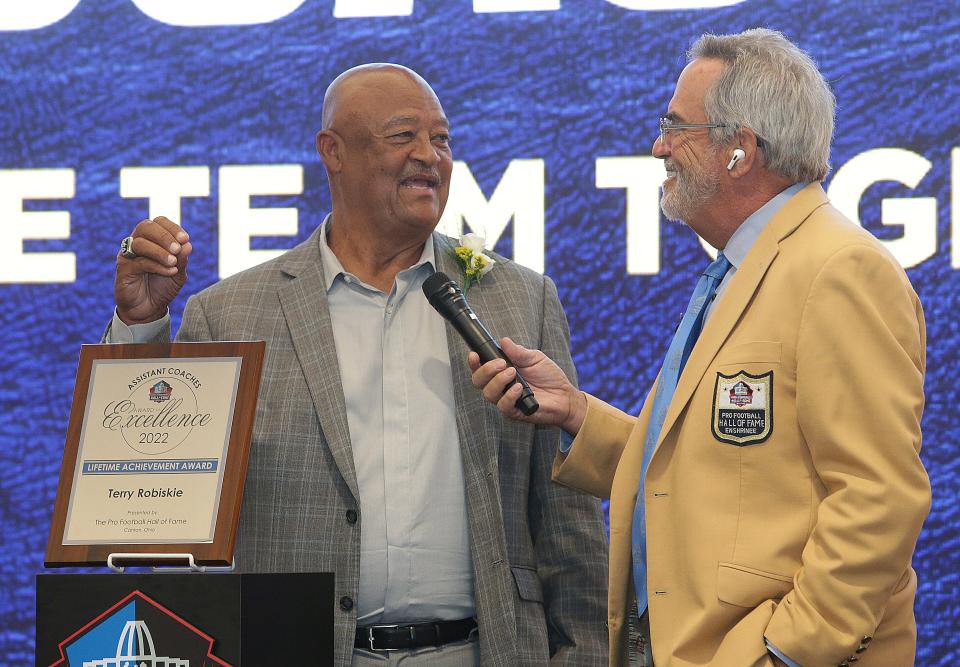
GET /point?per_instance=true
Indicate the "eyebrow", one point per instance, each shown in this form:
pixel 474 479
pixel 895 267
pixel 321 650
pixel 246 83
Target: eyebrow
pixel 398 121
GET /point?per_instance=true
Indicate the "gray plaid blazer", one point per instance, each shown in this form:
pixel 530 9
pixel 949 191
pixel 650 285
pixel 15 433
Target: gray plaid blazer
pixel 538 549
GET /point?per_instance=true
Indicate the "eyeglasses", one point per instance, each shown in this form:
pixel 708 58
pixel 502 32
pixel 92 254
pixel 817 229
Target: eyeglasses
pixel 667 125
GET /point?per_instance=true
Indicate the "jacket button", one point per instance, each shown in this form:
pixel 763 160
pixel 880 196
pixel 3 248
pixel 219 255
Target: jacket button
pixel 866 640
pixel 351 516
pixel 346 603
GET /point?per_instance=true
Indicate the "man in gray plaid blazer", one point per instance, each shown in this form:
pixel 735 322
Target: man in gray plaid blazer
pixel 373 456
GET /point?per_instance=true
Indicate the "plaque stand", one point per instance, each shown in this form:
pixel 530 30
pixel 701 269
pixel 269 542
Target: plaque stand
pixel 148 560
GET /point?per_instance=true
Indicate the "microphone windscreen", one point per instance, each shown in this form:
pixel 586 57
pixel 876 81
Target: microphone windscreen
pixel 435 283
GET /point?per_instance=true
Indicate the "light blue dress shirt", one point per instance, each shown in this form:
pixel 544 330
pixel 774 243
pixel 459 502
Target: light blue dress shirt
pixel 746 235
pixel 415 562
pixel 395 367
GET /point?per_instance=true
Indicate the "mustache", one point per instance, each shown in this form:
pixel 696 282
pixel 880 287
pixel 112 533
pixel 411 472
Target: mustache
pixel 431 176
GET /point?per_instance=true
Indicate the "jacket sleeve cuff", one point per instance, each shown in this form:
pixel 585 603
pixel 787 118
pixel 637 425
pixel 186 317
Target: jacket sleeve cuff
pixel 590 461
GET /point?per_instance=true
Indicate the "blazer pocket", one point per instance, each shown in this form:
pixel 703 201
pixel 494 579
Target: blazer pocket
pixel 756 352
pixel 528 583
pixel 748 587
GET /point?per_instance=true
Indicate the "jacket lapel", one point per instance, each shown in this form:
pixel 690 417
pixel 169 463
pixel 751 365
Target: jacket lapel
pixel 479 442
pixel 737 295
pixel 474 429
pixel 303 300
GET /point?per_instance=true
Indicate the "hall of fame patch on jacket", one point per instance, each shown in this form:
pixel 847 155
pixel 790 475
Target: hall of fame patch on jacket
pixel 743 408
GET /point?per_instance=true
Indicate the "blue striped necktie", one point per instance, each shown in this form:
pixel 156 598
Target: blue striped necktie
pixel 673 363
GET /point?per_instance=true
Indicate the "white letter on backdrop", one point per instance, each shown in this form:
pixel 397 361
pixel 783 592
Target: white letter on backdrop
pixel 17 225
pixel 641 177
pixel 164 187
pixel 238 222
pixel 955 207
pixel 34 14
pixel 518 196
pixel 194 13
pixel 918 215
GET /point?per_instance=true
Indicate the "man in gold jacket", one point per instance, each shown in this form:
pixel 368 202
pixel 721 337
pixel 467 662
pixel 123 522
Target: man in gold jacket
pixel 780 486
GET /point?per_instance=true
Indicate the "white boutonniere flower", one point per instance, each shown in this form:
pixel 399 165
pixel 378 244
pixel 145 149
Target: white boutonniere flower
pixel 474 262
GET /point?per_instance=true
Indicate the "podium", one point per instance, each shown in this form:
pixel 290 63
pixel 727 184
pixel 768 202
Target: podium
pixel 176 620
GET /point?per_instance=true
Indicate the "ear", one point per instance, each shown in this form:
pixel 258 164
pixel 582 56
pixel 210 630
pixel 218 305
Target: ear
pixel 746 140
pixel 330 146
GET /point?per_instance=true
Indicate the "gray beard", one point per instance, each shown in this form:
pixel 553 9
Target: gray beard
pixel 691 191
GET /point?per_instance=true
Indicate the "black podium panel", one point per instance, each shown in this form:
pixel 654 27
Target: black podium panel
pixel 176 620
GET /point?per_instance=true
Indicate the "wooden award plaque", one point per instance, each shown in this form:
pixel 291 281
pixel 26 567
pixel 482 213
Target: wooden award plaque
pixel 156 453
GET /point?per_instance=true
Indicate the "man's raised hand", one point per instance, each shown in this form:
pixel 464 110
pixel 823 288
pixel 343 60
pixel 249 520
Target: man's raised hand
pixel 147 283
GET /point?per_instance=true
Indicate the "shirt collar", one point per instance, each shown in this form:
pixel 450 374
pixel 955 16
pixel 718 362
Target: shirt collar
pixel 743 239
pixel 333 269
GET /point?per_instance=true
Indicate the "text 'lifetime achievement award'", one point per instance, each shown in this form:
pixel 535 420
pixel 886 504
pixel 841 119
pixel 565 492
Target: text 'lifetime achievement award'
pixel 156 451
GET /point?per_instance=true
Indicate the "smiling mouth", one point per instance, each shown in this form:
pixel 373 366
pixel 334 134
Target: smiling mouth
pixel 420 182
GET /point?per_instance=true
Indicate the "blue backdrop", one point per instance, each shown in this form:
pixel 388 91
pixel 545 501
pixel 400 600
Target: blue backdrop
pixel 545 95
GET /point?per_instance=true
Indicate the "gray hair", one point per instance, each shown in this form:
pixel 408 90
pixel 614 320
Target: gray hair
pixel 774 88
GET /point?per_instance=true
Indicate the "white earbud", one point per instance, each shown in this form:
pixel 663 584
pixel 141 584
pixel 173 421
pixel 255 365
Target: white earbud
pixel 738 155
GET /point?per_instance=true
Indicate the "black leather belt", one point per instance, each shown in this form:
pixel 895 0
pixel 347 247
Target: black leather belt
pixel 399 637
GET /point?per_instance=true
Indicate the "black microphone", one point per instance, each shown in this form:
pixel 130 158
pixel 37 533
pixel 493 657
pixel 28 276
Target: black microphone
pixel 444 295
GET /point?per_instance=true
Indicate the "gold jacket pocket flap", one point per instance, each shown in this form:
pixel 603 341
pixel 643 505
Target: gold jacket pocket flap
pixel 745 586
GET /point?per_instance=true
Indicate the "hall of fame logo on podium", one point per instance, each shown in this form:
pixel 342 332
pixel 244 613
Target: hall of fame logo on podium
pixel 135 649
pixel 138 632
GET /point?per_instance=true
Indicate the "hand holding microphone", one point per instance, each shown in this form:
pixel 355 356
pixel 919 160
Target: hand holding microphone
pixel 495 375
pixel 444 295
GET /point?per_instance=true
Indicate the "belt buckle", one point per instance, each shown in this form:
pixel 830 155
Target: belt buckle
pixel 371 628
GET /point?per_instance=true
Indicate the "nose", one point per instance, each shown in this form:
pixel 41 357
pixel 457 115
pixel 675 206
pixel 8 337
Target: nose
pixel 660 148
pixel 424 151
